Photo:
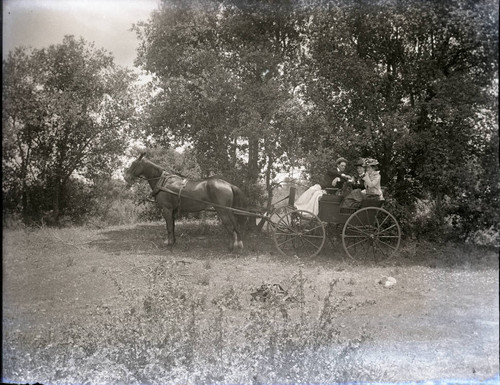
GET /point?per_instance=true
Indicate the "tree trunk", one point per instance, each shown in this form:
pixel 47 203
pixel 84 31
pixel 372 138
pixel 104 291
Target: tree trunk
pixel 439 209
pixel 24 203
pixel 56 200
pixel 269 186
pixel 253 171
pixel 253 160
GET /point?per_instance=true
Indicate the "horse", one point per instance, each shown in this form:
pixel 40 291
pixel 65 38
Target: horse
pixel 173 193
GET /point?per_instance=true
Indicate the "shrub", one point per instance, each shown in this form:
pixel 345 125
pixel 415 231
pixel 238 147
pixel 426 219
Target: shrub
pixel 171 334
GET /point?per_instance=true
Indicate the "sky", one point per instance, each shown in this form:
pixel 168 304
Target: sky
pixel 107 23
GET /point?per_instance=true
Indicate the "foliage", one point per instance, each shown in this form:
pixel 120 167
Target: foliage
pixel 67 109
pixel 171 333
pixel 417 77
pixel 409 83
pixel 253 89
pixel 226 70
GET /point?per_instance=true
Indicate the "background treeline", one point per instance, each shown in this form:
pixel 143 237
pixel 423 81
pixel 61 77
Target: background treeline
pixel 254 88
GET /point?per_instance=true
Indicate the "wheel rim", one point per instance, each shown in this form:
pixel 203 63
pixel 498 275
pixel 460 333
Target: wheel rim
pixel 276 215
pixel 299 233
pixel 371 233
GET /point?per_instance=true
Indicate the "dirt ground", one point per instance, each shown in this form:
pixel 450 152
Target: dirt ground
pixel 439 321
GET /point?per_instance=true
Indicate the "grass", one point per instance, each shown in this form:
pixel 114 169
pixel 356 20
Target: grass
pixel 115 306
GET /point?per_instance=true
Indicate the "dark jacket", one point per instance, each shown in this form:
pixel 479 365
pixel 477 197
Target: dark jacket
pixel 329 176
pixel 358 183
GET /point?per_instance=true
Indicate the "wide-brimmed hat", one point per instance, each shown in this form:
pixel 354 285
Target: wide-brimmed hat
pixel 340 160
pixel 371 162
pixel 360 162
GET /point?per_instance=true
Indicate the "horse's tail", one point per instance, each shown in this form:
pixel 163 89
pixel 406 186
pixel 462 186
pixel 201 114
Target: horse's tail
pixel 240 202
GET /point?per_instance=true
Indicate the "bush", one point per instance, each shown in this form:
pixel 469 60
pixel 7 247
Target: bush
pixel 172 334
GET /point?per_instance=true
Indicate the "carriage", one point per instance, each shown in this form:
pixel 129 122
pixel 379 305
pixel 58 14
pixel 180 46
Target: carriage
pixel 366 232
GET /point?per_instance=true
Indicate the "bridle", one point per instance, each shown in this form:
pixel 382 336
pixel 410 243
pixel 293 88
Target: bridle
pixel 132 169
pixel 162 175
pixel 148 179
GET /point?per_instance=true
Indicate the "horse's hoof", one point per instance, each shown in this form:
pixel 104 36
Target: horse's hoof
pixel 168 243
pixel 236 246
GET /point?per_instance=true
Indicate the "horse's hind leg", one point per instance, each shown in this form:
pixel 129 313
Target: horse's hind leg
pixel 236 232
pixel 231 225
pixel 168 214
pixel 237 227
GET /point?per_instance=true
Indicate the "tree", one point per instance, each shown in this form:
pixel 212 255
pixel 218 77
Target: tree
pixel 67 110
pixel 276 83
pixel 194 98
pixel 404 82
pixel 265 45
pixel 220 69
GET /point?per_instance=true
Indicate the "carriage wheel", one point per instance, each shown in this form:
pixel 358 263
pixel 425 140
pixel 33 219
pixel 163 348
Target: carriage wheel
pixel 371 233
pixel 275 216
pixel 299 233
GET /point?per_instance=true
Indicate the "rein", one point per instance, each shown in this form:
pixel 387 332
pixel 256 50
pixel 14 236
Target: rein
pixel 147 179
pixel 215 205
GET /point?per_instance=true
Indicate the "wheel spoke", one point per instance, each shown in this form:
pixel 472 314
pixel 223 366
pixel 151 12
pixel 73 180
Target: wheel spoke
pixel 386 244
pixel 354 228
pixel 312 236
pixel 386 229
pixel 314 228
pixel 380 225
pixel 299 233
pixel 286 241
pixel 357 243
pixel 371 232
pixel 310 242
pixel 290 229
pixel 286 232
pixel 387 253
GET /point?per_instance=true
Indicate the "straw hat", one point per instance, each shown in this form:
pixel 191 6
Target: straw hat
pixel 371 162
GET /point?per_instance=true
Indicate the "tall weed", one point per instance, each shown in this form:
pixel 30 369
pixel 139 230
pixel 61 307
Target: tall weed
pixel 171 334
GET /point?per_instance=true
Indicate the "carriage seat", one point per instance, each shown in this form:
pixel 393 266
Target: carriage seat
pixel 330 210
pixel 331 190
pixel 367 202
pixel 331 198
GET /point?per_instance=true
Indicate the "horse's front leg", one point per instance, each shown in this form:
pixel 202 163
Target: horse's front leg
pixel 169 216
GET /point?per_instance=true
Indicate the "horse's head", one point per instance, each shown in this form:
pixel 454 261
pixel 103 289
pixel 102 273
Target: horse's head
pixel 135 170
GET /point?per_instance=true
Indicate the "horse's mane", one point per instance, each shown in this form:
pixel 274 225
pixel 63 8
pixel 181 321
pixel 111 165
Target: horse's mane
pixel 163 168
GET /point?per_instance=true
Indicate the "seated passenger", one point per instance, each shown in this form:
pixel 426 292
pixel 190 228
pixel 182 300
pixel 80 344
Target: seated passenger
pixel 358 182
pixel 336 178
pixel 372 179
pixel 309 200
pixel 354 195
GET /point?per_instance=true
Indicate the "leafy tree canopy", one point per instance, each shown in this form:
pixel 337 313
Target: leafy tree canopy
pixel 67 111
pixel 278 83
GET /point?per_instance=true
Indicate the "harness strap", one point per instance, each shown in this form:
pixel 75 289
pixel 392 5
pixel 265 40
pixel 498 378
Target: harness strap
pixel 160 186
pixel 162 181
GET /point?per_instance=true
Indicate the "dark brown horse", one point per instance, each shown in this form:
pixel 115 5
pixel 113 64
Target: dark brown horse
pixel 174 193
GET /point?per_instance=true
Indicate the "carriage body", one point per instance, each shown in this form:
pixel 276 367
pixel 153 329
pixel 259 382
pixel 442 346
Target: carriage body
pixel 331 212
pixel 366 232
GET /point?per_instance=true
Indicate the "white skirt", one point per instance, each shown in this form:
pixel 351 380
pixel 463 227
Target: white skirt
pixel 309 200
